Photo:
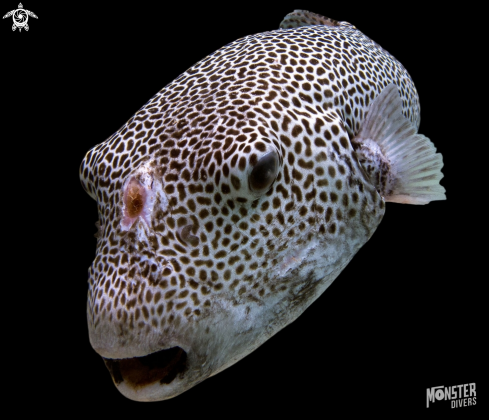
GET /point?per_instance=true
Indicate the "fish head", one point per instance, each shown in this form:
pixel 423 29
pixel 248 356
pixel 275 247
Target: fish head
pixel 203 256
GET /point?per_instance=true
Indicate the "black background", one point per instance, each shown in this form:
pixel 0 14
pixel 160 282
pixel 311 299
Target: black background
pixel 406 314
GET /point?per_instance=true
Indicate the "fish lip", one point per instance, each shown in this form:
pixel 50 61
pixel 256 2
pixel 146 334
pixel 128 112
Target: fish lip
pixel 159 368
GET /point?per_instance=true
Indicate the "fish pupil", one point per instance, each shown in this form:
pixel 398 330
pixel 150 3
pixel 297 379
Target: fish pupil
pixel 264 173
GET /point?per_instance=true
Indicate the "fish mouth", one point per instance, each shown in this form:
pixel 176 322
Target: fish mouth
pixel 137 373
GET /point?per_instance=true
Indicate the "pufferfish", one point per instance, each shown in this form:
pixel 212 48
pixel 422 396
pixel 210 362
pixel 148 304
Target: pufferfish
pixel 231 200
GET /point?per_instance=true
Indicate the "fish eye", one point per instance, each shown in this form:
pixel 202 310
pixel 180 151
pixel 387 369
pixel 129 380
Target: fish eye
pixel 264 173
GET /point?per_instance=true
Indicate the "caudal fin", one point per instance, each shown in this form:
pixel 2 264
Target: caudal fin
pixel 405 164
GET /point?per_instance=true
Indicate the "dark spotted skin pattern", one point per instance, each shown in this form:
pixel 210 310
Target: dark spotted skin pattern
pixel 184 243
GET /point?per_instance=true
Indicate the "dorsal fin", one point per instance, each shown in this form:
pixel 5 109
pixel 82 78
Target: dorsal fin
pixel 304 18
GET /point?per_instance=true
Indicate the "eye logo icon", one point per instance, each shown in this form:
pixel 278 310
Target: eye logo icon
pixel 20 17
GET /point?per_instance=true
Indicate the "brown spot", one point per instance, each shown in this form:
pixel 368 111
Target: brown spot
pixel 319 142
pixel 236 182
pixel 296 130
pixel 286 140
pixel 225 189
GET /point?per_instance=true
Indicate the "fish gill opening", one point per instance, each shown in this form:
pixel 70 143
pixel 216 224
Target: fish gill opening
pixel 162 366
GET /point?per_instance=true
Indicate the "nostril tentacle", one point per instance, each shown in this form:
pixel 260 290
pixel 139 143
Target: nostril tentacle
pixel 138 202
pixel 186 235
pixel 134 198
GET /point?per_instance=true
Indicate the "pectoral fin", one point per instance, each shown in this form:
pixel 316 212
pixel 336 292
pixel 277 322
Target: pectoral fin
pixel 402 164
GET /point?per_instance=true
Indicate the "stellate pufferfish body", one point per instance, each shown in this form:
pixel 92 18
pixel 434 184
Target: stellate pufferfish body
pixel 237 194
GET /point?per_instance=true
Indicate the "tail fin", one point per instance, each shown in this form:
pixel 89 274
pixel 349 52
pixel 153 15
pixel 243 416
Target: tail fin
pixel 404 164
